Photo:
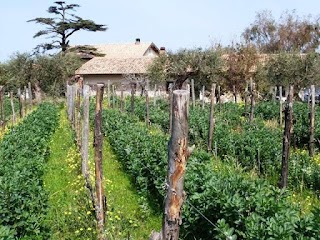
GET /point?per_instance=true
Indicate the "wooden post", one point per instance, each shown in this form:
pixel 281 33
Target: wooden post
pixel 20 103
pixel 219 97
pixel 252 102
pixel 73 104
pixel 78 114
pixel 122 101
pixel 98 141
pixel 109 98
pixel 113 97
pixel 203 91
pixel 288 127
pixel 312 117
pixel 280 103
pixel 234 93
pixel 147 108
pixel 246 95
pixel 274 95
pixel 178 154
pixel 12 107
pixel 25 99
pixel 193 94
pixel 155 95
pixel 2 105
pixel 211 117
pixel 133 91
pixel 85 130
pixel 170 107
pixel 30 95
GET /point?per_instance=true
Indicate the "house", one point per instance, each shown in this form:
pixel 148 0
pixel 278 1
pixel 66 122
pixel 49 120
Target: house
pixel 119 61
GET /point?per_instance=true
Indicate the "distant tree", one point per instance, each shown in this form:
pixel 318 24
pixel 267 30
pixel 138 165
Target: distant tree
pixel 290 34
pixel 203 66
pixel 63 25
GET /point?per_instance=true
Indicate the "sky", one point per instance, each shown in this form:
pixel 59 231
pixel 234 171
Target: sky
pixel 173 24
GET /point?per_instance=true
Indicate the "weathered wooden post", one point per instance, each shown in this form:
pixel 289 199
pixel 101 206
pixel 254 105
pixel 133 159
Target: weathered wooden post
pixel 122 101
pixel 20 103
pixel 274 93
pixel 281 107
pixel 108 94
pixel 98 141
pixel 170 107
pixel 78 114
pixel 30 95
pixel 178 154
pixel 147 108
pixel 203 91
pixel 211 117
pixel 246 100
pixel 188 89
pixel 234 93
pixel 155 95
pixel 12 107
pixel 288 127
pixel 252 101
pixel 73 104
pixel 219 97
pixel 193 94
pixel 85 130
pixel 25 99
pixel 312 117
pixel 133 92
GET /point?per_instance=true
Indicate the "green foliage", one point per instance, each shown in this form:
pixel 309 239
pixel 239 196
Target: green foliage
pixel 62 26
pixel 23 152
pixel 240 206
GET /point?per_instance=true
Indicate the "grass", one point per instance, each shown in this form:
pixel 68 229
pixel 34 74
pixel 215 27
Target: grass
pixel 129 215
pixel 70 214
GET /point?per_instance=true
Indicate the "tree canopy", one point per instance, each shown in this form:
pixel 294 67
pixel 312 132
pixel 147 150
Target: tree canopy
pixel 290 33
pixel 62 26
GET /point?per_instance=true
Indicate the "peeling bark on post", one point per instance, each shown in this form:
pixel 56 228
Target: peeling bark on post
pixel 252 101
pixel 98 139
pixel 211 117
pixel 280 103
pixel 12 107
pixel 312 117
pixel 288 127
pixel 193 94
pixel 178 155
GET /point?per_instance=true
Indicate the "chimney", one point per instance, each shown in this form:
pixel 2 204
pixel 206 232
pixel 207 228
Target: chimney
pixel 162 50
pixel 137 41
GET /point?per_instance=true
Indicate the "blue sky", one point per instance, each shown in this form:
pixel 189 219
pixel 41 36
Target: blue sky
pixel 173 24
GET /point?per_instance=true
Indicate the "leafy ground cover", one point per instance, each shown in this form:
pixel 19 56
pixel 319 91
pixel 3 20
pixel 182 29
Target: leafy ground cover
pixel 23 153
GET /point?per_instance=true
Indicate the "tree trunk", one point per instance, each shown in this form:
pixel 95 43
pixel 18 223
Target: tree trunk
pixel 178 155
pixel 211 117
pixel 288 127
pixel 37 92
pixel 98 141
pixel 312 117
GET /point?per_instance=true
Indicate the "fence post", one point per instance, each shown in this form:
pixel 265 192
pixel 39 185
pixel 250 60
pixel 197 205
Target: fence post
pixel 12 107
pixel 211 117
pixel 133 91
pixel 312 117
pixel 30 95
pixel 25 99
pixel 20 103
pixel 178 154
pixel 147 108
pixel 2 106
pixel 193 94
pixel 170 107
pixel 280 103
pixel 252 101
pixel 155 95
pixel 288 127
pixel 203 91
pixel 98 141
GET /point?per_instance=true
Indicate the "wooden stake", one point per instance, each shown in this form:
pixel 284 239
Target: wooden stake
pixel 234 93
pixel 109 98
pixel 211 117
pixel 25 99
pixel 193 94
pixel 98 141
pixel 155 95
pixel 252 102
pixel 280 103
pixel 85 130
pixel 12 107
pixel 288 127
pixel 133 91
pixel 147 108
pixel 219 97
pixel 30 95
pixel 178 154
pixel 170 107
pixel 203 91
pixel 122 101
pixel 312 117
pixel 20 103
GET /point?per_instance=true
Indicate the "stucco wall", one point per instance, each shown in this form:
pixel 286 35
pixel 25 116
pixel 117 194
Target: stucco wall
pixel 115 79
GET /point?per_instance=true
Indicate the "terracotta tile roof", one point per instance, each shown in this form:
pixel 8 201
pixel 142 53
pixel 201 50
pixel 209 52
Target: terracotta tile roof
pixel 103 65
